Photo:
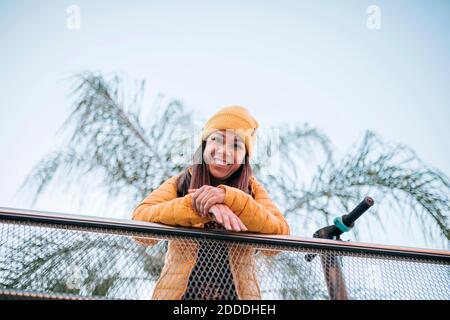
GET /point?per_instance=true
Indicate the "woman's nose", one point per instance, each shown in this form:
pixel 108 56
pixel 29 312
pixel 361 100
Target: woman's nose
pixel 224 153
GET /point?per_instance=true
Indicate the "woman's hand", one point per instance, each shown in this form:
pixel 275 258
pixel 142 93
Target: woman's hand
pixel 205 197
pixel 223 215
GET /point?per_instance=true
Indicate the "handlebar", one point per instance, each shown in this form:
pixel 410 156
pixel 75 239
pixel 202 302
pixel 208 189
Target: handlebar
pixel 342 224
pixel 363 206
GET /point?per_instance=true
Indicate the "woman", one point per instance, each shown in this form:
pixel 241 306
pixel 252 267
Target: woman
pixel 217 191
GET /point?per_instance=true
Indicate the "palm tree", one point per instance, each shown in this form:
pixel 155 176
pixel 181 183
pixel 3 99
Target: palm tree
pixel 38 260
pixel 109 140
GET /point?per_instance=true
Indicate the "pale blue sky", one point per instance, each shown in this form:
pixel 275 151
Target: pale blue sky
pixel 287 61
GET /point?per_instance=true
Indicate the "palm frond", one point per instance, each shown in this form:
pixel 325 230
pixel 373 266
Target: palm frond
pixel 108 137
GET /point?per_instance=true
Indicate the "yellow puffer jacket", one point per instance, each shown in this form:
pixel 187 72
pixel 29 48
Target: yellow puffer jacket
pixel 258 213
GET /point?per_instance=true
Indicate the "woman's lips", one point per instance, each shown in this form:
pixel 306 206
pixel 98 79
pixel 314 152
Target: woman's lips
pixel 220 163
pixel 220 166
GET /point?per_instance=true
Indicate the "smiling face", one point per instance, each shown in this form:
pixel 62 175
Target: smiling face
pixel 224 153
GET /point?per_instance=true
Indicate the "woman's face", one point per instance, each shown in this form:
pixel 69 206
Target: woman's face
pixel 224 153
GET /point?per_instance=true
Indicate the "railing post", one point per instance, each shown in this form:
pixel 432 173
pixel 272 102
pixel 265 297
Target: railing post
pixel 334 277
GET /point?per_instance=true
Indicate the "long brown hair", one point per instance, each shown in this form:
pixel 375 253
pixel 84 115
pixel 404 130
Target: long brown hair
pixel 240 179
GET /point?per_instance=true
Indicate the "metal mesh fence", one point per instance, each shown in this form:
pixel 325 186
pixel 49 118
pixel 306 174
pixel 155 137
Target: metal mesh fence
pixel 42 260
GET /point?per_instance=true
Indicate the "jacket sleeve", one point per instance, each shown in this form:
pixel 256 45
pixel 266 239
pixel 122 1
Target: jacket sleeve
pixel 163 206
pixel 259 214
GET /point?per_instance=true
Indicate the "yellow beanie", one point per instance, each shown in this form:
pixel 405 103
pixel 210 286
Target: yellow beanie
pixel 235 118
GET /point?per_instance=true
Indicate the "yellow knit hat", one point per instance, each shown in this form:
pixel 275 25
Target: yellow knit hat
pixel 235 118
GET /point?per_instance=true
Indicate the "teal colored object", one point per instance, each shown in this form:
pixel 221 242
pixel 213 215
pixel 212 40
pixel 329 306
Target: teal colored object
pixel 338 223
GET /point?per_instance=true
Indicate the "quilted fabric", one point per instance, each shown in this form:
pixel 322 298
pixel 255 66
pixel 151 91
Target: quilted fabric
pixel 257 211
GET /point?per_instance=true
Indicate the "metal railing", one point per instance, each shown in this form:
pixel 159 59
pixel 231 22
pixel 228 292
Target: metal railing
pixel 60 256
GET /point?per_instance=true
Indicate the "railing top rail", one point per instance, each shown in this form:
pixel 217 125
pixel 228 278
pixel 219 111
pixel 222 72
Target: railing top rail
pixel 158 229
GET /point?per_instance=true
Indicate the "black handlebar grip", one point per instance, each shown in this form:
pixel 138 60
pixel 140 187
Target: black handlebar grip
pixel 362 207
